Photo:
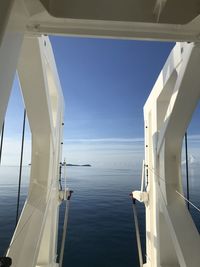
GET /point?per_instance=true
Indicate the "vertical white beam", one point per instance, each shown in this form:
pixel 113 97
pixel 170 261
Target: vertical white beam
pixel 35 239
pixel 154 115
pixel 168 111
pixel 11 37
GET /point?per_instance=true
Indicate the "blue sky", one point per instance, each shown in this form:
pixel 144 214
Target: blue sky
pixel 105 85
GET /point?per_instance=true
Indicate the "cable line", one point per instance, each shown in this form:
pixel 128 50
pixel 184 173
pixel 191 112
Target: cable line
pixel 193 205
pixel 187 172
pixel 20 169
pixel 1 144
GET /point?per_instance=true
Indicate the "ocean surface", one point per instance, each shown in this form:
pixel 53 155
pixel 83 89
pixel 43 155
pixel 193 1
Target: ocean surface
pixel 101 230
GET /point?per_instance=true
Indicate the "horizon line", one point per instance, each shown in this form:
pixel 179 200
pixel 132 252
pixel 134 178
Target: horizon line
pixel 104 139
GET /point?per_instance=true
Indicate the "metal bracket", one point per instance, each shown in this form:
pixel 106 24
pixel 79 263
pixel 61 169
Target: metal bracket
pixel 141 196
pixel 65 194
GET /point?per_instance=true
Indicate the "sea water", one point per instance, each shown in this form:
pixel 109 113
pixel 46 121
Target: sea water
pixel 101 230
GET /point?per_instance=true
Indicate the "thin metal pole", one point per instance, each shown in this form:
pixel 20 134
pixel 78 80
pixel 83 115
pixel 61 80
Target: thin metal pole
pixel 20 168
pixel 60 176
pixel 65 227
pixel 143 171
pixel 64 234
pixel 187 172
pixel 137 234
pixel 1 144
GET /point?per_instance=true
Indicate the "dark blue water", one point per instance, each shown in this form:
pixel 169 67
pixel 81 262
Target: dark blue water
pixel 100 228
pixel 8 200
pixel 101 231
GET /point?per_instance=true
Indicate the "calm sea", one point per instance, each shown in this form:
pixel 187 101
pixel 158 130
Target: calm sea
pixel 100 228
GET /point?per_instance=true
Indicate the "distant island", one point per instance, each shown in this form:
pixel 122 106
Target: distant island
pixel 78 165
pixel 71 165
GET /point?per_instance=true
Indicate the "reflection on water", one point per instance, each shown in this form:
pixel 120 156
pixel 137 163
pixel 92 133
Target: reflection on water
pixel 194 189
pixel 101 229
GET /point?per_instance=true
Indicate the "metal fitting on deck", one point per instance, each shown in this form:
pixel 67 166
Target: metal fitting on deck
pixel 141 196
pixel 65 194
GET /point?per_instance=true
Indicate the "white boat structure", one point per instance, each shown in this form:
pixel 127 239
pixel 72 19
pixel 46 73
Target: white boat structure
pixel 172 239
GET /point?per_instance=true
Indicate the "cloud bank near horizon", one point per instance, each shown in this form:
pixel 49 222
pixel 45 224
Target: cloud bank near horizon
pixel 99 152
pixel 102 152
pixel 105 152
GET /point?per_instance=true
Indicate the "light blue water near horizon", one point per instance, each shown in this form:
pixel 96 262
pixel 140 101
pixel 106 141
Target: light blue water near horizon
pixel 100 228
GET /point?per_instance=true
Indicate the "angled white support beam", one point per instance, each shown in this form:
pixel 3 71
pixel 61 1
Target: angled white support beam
pixel 185 94
pixel 35 239
pixel 11 37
